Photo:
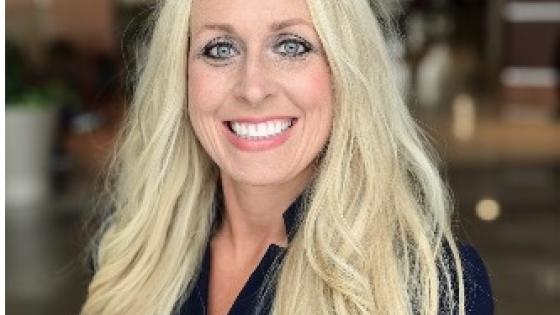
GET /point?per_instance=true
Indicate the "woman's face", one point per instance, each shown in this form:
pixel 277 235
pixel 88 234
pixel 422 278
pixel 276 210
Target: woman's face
pixel 259 88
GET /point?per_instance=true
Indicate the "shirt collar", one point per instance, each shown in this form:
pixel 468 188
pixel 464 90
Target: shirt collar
pixel 292 216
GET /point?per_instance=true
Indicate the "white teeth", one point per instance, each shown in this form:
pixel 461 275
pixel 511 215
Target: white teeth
pixel 243 129
pixel 271 128
pixel 261 130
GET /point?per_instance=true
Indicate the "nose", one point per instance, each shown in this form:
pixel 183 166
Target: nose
pixel 255 83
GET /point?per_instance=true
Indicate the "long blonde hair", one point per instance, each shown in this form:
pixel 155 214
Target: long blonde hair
pixel 376 224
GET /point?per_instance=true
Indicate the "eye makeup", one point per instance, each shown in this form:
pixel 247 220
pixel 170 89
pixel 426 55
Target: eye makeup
pixel 292 46
pixel 221 50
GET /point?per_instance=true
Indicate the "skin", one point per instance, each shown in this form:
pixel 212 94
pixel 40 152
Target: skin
pixel 270 64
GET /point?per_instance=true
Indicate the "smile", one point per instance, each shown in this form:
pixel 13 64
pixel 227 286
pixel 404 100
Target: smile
pixel 259 134
pixel 262 130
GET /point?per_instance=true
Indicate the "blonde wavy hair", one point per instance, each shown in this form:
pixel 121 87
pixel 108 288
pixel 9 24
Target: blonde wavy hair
pixel 375 235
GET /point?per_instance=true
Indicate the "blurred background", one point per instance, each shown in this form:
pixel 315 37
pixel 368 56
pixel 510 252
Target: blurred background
pixel 481 76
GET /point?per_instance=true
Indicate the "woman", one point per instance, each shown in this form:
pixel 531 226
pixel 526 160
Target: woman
pixel 268 165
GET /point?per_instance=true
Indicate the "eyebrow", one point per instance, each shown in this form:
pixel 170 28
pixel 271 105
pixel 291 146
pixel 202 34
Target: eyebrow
pixel 275 26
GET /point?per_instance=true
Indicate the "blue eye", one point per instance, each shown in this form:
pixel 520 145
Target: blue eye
pixel 293 47
pixel 222 49
pixel 219 50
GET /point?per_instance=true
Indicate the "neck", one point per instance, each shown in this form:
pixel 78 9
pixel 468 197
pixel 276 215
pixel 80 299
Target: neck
pixel 253 214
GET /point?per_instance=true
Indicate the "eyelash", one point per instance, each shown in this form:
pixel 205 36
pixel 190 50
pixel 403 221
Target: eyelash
pixel 307 48
pixel 210 51
pixel 214 45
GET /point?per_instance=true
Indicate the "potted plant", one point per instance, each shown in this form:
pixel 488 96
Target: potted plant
pixel 31 116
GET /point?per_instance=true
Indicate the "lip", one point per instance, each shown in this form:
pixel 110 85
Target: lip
pixel 262 144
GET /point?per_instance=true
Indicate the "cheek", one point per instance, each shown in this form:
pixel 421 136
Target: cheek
pixel 203 102
pixel 198 90
pixel 312 89
pixel 207 89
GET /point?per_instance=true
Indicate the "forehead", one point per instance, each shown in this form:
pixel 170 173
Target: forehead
pixel 248 14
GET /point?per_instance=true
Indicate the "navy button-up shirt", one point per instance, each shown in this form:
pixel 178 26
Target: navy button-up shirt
pixel 251 299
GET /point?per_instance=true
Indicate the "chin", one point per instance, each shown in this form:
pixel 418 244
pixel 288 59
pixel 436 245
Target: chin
pixel 260 179
pixel 266 176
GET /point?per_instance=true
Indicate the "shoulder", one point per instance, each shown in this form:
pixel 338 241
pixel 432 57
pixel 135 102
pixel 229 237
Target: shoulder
pixel 478 293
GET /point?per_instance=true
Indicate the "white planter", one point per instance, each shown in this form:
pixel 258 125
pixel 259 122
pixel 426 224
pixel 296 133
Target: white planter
pixel 31 256
pixel 29 139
